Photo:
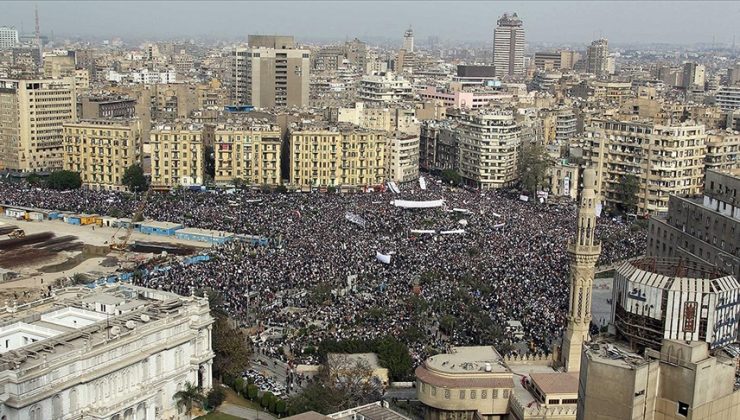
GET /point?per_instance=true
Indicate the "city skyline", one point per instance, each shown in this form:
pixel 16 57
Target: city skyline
pixel 473 21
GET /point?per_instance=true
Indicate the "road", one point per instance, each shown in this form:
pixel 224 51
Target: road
pixel 244 412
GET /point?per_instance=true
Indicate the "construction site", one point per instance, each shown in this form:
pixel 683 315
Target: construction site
pixel 38 253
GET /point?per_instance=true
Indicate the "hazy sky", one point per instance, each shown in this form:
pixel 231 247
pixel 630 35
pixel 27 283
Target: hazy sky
pixel 555 21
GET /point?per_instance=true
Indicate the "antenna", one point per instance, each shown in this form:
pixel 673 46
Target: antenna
pixel 38 27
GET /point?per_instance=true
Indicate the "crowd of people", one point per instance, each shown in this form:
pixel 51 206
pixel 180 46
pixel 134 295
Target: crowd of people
pixel 510 263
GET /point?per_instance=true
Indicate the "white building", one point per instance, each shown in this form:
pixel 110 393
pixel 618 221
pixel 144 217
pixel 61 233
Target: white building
pixel 384 88
pixel 403 158
pixel 728 98
pixel 8 37
pixel 670 298
pixel 508 46
pixel 116 352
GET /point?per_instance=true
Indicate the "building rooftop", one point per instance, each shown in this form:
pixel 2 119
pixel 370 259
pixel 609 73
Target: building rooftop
pixel 556 382
pixel 470 359
pixel 612 351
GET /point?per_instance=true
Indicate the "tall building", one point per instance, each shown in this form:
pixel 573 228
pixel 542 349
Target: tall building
pixel 548 60
pixel 344 157
pixel 597 56
pixel 723 152
pixel 402 158
pixel 583 252
pixel 249 153
pixel 508 46
pixel 664 159
pixel 408 40
pixel 384 88
pixel 101 150
pixel 694 76
pixel 271 72
pixel 8 37
pixel 489 143
pixel 728 98
pixel 31 116
pixel 177 154
pixel 703 229
pixel 116 352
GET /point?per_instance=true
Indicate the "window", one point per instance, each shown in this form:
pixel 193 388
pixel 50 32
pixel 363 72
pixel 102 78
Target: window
pixel 447 394
pixel 506 393
pixel 472 394
pixel 495 394
pixel 683 409
pixel 484 394
pixel 434 390
pixel 462 394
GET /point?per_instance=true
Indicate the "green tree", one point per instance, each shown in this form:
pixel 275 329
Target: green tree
pixel 189 397
pixel 34 180
pixel 267 398
pixel 134 179
pixel 627 190
pixel 239 385
pixel 280 407
pixel 215 397
pixel 64 180
pixel 532 166
pixel 281 189
pixel 450 176
pixel 229 343
pixel 252 392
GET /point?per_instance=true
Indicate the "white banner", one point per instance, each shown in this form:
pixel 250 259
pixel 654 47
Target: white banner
pixel 384 258
pixel 452 232
pixel 421 231
pixel 422 183
pixel 459 210
pixel 392 185
pixel 417 204
pixel 500 225
pixel 524 198
pixel 355 218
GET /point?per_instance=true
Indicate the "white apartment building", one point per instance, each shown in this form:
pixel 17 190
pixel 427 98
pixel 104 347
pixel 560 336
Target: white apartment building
pixel 384 88
pixel 489 143
pixel 665 159
pixel 114 352
pixel 8 37
pixel 31 116
pixel 403 158
pixel 728 98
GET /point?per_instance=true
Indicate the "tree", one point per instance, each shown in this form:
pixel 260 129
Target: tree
pixel 34 180
pixel 280 407
pixel 252 392
pixel 628 189
pixel 450 176
pixel 239 385
pixel 267 398
pixel 215 397
pixel 133 178
pixel 64 180
pixel 190 396
pixel 532 167
pixel 229 342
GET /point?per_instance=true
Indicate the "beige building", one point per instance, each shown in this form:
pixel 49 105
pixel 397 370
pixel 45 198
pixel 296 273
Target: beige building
pixel 177 155
pixel 664 159
pixel 271 72
pixel 101 150
pixel 58 66
pixel 378 118
pixel 681 381
pixel 489 145
pixel 723 151
pixel 564 177
pixel 31 116
pixel 251 154
pixel 402 157
pixel 344 157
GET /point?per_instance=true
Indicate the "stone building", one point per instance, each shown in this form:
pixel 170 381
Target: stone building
pixel 102 150
pixel 111 352
pixel 178 154
pixel 249 153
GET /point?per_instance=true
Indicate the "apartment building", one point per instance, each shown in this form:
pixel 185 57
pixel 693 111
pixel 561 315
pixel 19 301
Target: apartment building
pixel 728 98
pixel 251 154
pixel 345 156
pixel 665 159
pixel 384 88
pixel 723 151
pixel 8 37
pixel 101 150
pixel 269 73
pixel 402 158
pixel 106 107
pixel 489 143
pixel 597 55
pixel 32 113
pixel 177 154
pixel 401 119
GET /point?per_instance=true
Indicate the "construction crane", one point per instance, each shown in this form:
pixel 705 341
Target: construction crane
pixel 123 243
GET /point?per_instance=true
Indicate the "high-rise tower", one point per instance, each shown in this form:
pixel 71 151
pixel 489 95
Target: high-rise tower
pixel 508 46
pixel 583 251
pixel 408 40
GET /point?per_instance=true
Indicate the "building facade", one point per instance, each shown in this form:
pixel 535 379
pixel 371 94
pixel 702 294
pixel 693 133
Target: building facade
pixel 489 144
pixel 705 230
pixel 267 77
pixel 112 353
pixel 101 151
pixel 508 46
pixel 402 158
pixel 664 159
pixel 177 155
pixel 723 151
pixel 8 37
pixel 345 157
pixel 251 154
pixel 597 56
pixel 31 116
pixel 384 89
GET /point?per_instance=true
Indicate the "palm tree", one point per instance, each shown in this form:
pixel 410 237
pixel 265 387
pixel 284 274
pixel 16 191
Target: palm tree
pixel 189 397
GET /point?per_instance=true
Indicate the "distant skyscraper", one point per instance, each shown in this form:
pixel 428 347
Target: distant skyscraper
pixel 8 37
pixel 408 40
pixel 508 46
pixel 597 57
pixel 693 76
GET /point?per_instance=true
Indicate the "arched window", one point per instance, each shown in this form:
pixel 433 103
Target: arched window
pixel 73 400
pixel 35 413
pixel 159 364
pixel 141 412
pixel 56 407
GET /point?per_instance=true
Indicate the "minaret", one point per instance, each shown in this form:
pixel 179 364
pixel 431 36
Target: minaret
pixel 583 251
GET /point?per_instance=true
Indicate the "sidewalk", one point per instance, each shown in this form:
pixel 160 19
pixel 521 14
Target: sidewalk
pixel 244 412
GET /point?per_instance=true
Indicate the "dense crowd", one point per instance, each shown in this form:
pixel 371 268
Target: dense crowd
pixel 509 264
